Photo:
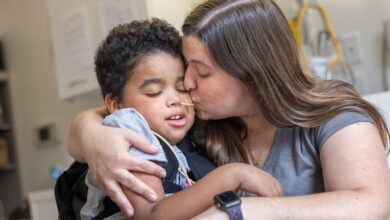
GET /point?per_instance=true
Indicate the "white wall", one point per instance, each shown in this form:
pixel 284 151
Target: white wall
pixel 24 29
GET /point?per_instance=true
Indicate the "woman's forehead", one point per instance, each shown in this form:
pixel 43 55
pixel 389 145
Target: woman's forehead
pixel 195 51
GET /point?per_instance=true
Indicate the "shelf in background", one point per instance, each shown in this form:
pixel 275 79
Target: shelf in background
pixel 8 167
pixel 3 76
pixel 5 127
pixel 9 177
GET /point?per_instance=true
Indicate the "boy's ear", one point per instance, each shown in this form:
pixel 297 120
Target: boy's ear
pixel 112 103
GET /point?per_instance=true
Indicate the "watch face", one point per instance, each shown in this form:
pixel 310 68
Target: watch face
pixel 227 199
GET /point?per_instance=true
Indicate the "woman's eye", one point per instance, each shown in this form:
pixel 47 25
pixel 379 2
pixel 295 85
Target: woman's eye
pixel 203 75
pixel 153 94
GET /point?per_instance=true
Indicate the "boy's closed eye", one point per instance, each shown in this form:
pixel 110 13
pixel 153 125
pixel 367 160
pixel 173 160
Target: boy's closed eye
pixel 152 90
pixel 153 94
pixel 155 87
pixel 152 87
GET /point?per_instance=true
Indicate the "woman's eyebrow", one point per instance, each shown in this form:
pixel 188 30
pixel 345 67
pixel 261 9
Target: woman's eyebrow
pixel 198 62
pixel 151 81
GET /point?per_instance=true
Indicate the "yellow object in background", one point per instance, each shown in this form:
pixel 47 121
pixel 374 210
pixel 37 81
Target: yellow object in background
pixel 296 25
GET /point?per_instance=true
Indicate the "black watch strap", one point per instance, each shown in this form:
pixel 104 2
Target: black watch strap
pixel 234 212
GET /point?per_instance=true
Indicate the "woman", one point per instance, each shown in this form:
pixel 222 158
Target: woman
pixel 323 142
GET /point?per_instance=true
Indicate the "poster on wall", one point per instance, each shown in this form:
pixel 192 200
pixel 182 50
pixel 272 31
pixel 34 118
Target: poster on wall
pixel 76 42
pixel 73 41
pixel 114 12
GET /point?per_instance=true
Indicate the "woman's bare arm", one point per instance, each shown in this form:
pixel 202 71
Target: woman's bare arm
pixel 80 127
pixel 105 150
pixel 357 182
pixel 197 198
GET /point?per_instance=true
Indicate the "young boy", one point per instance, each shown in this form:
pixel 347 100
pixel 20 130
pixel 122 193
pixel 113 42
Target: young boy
pixel 141 71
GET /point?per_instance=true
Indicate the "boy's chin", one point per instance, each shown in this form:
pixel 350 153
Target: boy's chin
pixel 174 139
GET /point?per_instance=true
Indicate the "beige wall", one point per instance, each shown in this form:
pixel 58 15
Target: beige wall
pixel 24 29
pixel 169 11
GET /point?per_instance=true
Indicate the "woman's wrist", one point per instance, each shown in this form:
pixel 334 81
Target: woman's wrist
pixel 212 213
pixel 80 130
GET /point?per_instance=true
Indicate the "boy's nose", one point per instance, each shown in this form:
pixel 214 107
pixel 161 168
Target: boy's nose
pixel 173 100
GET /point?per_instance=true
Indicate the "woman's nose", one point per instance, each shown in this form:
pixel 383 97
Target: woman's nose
pixel 189 79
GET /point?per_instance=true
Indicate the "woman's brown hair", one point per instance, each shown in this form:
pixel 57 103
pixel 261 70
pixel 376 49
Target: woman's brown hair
pixel 252 41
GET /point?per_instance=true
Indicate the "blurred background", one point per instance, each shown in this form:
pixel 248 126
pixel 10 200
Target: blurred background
pixel 46 74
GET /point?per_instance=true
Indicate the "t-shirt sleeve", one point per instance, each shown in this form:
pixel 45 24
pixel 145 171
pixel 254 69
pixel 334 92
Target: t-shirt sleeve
pixel 131 119
pixel 324 131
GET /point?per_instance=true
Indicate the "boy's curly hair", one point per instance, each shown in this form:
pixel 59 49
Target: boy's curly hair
pixel 126 45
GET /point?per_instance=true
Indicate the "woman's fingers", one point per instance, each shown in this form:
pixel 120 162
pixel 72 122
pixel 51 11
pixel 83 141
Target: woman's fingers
pixel 138 141
pixel 143 166
pixel 140 165
pixel 126 179
pixel 111 165
pixel 122 166
pixel 134 184
pixel 115 192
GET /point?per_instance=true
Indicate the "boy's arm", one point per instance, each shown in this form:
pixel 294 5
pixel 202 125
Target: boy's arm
pixel 197 198
pixel 88 141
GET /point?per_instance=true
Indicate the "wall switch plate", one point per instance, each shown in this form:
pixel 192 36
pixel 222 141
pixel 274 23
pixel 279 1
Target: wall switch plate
pixel 46 135
pixel 351 48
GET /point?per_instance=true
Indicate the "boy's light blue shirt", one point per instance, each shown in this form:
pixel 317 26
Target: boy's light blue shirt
pixel 131 119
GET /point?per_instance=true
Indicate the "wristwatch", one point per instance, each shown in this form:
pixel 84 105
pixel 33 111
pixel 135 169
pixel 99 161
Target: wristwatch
pixel 230 202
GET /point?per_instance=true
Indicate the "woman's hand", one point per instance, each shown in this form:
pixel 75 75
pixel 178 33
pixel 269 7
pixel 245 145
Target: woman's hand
pixel 255 180
pixel 105 150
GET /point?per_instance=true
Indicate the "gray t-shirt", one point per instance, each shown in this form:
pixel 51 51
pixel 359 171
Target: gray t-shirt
pixel 294 158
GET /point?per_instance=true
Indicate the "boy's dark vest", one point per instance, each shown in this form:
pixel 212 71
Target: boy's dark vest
pixel 71 190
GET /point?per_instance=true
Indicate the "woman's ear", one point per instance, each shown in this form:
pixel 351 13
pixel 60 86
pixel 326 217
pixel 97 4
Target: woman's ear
pixel 112 103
